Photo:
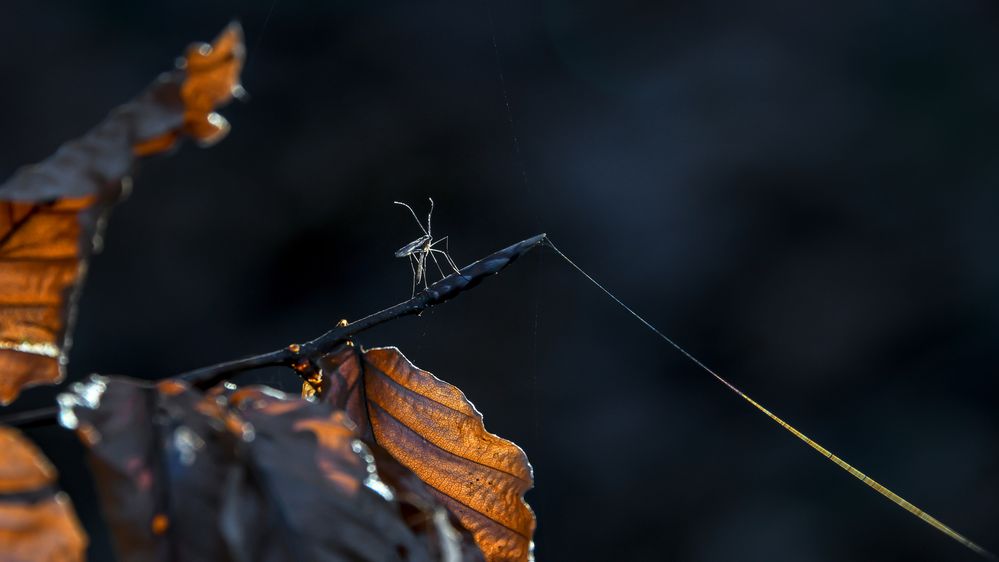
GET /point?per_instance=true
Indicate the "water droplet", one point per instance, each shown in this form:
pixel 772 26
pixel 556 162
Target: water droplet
pixel 67 418
pixel 187 443
pixel 249 434
pixel 373 482
pixel 80 395
pixel 218 121
pixel 239 92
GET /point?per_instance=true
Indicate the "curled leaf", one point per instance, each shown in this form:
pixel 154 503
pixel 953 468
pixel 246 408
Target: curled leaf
pixel 42 249
pixel 158 456
pixel 37 522
pixel 52 213
pixel 211 79
pixel 345 499
pixel 250 475
pixel 431 428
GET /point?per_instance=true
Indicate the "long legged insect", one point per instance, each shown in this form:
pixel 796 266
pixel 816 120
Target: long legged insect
pixel 418 250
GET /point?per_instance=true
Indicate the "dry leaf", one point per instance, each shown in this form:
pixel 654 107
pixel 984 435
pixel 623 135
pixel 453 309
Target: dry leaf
pixel 52 213
pixel 158 460
pixel 351 500
pixel 430 427
pixel 37 522
pixel 211 79
pixel 250 476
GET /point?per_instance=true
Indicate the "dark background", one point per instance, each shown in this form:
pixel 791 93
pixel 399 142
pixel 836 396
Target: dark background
pixel 802 193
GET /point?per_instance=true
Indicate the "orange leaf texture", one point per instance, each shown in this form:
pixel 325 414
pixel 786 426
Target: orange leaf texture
pixel 52 213
pixel 37 522
pixel 210 79
pixel 435 431
pixel 250 475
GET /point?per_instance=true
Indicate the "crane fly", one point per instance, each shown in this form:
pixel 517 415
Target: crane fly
pixel 418 250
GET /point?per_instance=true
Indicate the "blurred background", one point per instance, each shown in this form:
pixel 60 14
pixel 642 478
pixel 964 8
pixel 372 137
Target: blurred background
pixel 805 195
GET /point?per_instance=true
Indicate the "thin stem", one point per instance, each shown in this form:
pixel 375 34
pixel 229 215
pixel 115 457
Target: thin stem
pixel 207 377
pixel 31 418
pixel 298 355
pixel 441 291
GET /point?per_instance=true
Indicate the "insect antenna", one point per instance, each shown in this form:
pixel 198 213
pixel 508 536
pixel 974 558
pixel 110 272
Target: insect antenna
pixel 430 214
pixel 417 219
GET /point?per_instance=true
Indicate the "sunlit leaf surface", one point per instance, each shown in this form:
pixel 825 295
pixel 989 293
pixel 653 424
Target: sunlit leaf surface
pixel 52 213
pixel 250 475
pixel 37 522
pixel 435 431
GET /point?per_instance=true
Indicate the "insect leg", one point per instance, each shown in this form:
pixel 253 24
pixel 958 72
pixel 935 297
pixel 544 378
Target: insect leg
pixel 431 254
pixel 447 257
pixel 413 267
pixel 423 261
pixel 421 267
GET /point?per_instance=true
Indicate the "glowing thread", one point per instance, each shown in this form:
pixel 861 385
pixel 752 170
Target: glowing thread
pixel 874 485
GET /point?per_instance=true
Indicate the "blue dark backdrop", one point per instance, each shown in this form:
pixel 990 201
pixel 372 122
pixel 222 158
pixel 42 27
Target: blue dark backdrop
pixel 805 194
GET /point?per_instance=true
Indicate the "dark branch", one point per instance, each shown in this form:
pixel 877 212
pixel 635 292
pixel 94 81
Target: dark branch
pixel 31 418
pixel 441 291
pixel 296 356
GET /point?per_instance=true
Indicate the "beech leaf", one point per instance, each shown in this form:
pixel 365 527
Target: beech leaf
pixel 340 497
pixel 431 428
pixel 37 522
pixel 250 475
pixel 52 213
pixel 157 461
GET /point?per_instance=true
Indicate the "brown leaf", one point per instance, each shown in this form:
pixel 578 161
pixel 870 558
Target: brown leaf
pixel 211 78
pixel 37 522
pixel 158 455
pixel 52 213
pixel 352 501
pixel 250 476
pixel 430 427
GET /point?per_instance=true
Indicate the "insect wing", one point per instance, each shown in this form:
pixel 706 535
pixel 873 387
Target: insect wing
pixel 412 247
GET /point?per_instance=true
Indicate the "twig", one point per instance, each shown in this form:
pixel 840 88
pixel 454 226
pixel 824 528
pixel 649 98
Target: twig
pixel 31 418
pixel 296 356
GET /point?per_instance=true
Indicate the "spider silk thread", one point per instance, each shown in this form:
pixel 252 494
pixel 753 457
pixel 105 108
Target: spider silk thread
pixel 871 483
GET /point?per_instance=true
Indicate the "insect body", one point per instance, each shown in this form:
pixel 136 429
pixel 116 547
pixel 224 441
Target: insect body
pixel 418 250
pixel 416 246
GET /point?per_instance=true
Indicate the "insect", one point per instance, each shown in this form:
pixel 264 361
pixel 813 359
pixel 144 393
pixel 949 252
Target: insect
pixel 418 250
